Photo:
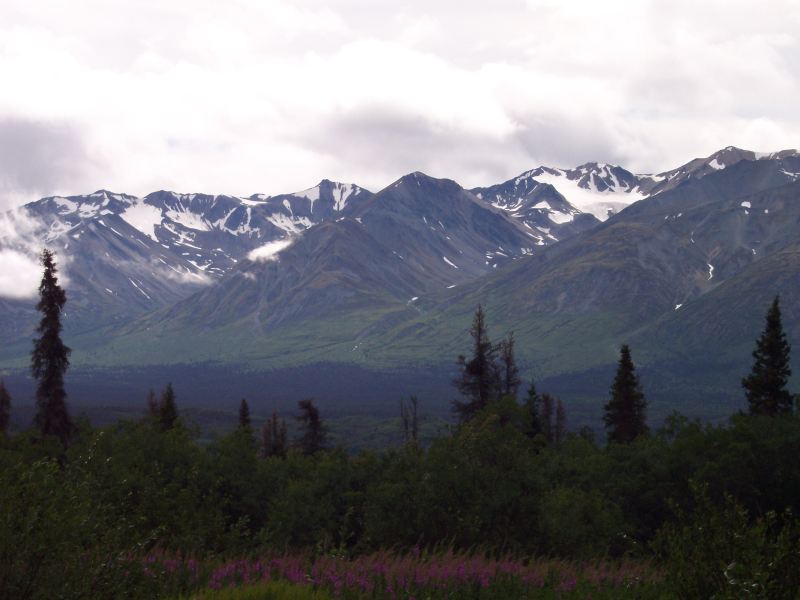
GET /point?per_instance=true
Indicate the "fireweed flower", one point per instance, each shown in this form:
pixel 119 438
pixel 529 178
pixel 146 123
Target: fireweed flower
pixel 403 576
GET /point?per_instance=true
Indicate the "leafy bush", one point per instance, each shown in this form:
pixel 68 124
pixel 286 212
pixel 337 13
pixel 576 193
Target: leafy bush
pixel 57 534
pixel 716 551
pixel 578 523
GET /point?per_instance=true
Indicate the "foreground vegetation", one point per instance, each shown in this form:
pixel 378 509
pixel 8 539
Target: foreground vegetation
pixel 509 505
pixel 443 575
pixel 711 508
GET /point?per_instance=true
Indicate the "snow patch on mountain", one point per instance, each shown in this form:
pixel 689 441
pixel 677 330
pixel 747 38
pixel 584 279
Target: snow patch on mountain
pixel 311 194
pixel 589 199
pixel 188 219
pixel 139 288
pixel 87 211
pixel 143 217
pixel 69 206
pixel 449 262
pixel 56 230
pixel 250 202
pixel 559 218
pixel 341 194
pixel 291 225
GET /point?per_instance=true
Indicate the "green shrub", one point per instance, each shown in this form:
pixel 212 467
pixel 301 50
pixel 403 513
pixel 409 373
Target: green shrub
pixel 716 551
pixel 58 538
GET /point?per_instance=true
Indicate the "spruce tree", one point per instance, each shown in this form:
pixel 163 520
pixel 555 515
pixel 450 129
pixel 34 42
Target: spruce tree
pixel 244 414
pixel 765 386
pixel 281 443
pixel 168 409
pixel 152 405
pixel 625 411
pixel 273 437
pixel 314 436
pixel 5 408
pixel 560 429
pixel 479 379
pixel 532 406
pixel 50 357
pixel 509 372
pixel 548 413
pixel 408 416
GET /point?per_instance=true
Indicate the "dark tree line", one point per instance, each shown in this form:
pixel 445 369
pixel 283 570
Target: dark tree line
pixel 5 408
pixel 273 438
pixel 491 372
pixel 163 411
pixel 315 433
pixel 410 420
pixel 164 414
pixel 244 414
pixel 488 374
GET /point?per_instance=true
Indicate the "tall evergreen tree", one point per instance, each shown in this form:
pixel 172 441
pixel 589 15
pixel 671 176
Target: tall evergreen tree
pixel 314 436
pixel 625 412
pixel 168 409
pixel 560 428
pixel 547 416
pixel 533 406
pixel 273 437
pixel 5 408
pixel 408 416
pixel 152 405
pixel 479 379
pixel 509 372
pixel 50 357
pixel 765 386
pixel 244 414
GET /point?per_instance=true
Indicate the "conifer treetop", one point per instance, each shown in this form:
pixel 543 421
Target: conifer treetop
pixel 625 412
pixel 765 386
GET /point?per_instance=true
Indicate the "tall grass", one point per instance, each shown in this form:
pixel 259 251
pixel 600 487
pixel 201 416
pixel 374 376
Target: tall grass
pixel 273 590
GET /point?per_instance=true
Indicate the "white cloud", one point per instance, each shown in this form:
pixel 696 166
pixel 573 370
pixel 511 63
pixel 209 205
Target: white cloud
pixel 269 251
pixel 19 276
pixel 21 243
pixel 18 228
pixel 272 95
pixel 183 277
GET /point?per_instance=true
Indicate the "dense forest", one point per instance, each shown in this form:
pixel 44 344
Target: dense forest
pixel 509 504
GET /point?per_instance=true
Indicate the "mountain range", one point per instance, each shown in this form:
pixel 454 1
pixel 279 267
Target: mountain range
pixel 681 265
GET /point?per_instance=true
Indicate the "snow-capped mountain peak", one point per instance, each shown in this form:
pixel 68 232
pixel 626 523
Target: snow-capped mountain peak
pixel 700 167
pixel 598 189
pixel 602 189
pixel 545 213
pixel 338 193
pixel 211 232
pixel 123 255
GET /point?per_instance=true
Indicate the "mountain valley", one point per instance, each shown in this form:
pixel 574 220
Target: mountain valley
pixel 680 264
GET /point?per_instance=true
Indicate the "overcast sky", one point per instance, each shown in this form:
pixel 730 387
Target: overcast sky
pixel 270 96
